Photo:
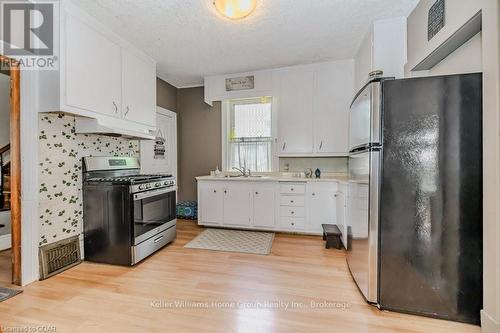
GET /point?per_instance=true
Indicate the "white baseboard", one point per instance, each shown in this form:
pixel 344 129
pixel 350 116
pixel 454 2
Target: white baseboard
pixel 488 324
pixel 5 242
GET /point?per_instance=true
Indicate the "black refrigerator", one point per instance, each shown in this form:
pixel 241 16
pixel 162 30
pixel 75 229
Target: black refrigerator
pixel 415 195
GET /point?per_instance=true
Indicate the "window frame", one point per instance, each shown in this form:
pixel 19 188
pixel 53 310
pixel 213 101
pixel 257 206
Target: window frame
pixel 227 123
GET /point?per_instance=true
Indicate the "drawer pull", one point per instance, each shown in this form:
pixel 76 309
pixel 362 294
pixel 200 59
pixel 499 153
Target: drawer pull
pixel 293 212
pixel 257 193
pixel 314 194
pixel 291 201
pixel 158 239
pixel 215 191
pixel 293 223
pixel 291 189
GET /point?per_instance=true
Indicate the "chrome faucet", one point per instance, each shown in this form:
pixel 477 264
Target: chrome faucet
pixel 243 171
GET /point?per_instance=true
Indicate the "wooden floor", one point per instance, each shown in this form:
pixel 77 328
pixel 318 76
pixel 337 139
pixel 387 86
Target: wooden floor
pixel 5 267
pixel 101 298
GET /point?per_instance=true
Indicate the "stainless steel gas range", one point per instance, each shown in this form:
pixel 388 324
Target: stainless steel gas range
pixel 127 216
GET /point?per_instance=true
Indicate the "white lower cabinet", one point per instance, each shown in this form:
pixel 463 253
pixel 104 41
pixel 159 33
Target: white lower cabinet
pixel 341 206
pixel 264 205
pixel 237 205
pixel 321 204
pixel 210 200
pixel 273 205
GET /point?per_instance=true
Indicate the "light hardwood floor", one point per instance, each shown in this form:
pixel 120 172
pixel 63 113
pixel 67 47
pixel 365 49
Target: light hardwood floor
pixel 101 298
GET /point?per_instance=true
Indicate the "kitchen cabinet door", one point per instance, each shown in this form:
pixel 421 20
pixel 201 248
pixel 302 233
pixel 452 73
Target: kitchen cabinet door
pixel 333 86
pixel 264 206
pixel 210 203
pixel 93 69
pixel 139 89
pixel 237 204
pixel 341 208
pixel 321 204
pixel 295 101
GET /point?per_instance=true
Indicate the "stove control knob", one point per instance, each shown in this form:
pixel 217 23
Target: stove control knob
pixel 166 183
pixel 157 185
pixel 141 187
pixel 148 185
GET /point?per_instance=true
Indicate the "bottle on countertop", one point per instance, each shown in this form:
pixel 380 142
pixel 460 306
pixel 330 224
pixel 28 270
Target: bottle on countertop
pixel 217 172
pixel 317 173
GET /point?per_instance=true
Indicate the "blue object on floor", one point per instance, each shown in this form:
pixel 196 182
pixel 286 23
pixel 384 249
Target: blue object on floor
pixel 187 210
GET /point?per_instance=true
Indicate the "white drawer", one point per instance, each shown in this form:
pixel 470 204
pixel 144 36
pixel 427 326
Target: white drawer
pixel 292 200
pixel 292 188
pixel 292 223
pixel 286 211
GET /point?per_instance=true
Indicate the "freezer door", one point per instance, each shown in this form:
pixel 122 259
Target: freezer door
pixel 362 247
pixel 364 118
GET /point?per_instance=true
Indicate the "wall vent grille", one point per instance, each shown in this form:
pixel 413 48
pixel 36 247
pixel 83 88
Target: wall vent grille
pixel 59 256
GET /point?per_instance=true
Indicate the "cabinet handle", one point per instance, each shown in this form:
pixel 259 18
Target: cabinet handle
pixel 128 110
pixel 291 201
pixel 257 193
pixel 335 195
pixel 215 191
pixel 225 191
pixel 293 223
pixel 321 145
pixel 292 189
pixel 293 212
pixel 284 146
pixel 314 194
pixel 116 107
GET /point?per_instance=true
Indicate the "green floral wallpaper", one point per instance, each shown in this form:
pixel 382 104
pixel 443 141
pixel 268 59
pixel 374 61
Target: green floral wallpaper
pixel 60 172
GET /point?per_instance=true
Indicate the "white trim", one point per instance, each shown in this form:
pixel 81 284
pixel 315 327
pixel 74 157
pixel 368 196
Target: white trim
pixel 192 86
pixel 29 177
pixel 5 242
pixel 162 77
pixel 488 324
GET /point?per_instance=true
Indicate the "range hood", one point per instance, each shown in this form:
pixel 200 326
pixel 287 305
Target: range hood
pixel 94 126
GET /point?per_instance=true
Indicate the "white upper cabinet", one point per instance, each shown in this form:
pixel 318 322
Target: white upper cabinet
pixel 384 48
pixel 86 86
pixel 295 98
pixel 138 97
pixel 333 85
pixel 101 77
pixel 313 105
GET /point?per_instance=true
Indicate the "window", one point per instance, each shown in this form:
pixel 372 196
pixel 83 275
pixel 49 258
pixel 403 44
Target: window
pixel 249 134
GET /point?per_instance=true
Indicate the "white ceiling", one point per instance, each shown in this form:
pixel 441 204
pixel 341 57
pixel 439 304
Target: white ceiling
pixel 190 40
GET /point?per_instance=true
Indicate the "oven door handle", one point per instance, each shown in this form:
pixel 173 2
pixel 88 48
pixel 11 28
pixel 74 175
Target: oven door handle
pixel 153 193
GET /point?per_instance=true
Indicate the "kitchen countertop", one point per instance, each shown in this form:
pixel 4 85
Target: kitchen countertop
pixel 278 178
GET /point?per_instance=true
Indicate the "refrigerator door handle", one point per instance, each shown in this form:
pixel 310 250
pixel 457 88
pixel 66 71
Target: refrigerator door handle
pixel 374 204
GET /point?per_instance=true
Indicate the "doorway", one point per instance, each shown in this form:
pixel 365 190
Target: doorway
pixel 10 166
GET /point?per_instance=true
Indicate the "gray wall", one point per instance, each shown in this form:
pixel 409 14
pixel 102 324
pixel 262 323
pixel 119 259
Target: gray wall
pixel 200 145
pixel 166 95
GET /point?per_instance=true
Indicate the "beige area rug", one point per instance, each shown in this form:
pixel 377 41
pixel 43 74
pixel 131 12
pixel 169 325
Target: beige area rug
pixel 233 241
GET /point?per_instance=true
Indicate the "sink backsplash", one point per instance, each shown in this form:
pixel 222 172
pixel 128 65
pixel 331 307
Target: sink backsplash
pixel 325 164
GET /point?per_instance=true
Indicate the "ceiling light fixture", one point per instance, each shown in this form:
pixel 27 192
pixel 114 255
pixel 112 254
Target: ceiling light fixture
pixel 235 9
